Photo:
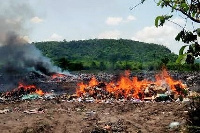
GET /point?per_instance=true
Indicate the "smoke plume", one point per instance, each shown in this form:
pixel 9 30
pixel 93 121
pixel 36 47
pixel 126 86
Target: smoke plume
pixel 16 54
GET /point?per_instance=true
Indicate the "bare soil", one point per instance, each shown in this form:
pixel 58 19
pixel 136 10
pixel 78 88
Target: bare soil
pixel 60 116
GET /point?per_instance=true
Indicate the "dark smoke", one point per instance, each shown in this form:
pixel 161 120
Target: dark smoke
pixel 17 56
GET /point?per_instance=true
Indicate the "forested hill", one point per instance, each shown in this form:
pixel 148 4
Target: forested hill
pixel 106 51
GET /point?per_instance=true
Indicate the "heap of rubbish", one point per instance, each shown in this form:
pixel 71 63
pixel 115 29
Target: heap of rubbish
pixel 162 88
pixel 127 88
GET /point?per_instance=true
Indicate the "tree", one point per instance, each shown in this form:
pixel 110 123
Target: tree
pixel 63 63
pixel 113 59
pixel 102 66
pixel 165 60
pixel 93 65
pixel 191 10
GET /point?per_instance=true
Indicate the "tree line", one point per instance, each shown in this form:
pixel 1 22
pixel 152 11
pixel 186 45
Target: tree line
pixel 108 54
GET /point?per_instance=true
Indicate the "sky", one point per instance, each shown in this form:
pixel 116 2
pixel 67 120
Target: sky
pixel 56 20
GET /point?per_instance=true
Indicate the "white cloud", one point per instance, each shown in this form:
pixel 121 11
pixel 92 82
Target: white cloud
pixel 115 34
pixel 114 20
pixel 55 37
pixel 119 20
pixel 164 35
pixel 36 20
pixel 131 18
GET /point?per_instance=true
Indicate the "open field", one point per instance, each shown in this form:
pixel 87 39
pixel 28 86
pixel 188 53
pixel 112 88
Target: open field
pixel 64 117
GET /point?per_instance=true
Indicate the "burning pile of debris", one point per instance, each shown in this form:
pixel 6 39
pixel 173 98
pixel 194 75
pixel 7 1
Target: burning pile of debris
pixel 57 77
pixel 162 88
pixel 23 91
pixel 34 85
pixel 124 88
pixel 27 92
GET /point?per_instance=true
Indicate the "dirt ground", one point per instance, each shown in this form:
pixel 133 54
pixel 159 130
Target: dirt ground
pixel 59 116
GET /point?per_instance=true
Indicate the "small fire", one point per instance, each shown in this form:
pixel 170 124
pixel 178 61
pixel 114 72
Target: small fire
pixel 127 87
pixel 164 78
pixel 83 87
pixel 39 92
pixel 57 75
pixel 23 89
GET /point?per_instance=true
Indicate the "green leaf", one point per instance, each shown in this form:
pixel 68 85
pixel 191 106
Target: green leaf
pixel 156 21
pixel 142 1
pixel 160 1
pixel 193 14
pixel 198 31
pixel 191 49
pixel 168 17
pixel 162 4
pixel 180 35
pixel 181 59
pixel 162 20
pixel 184 6
pixel 182 49
pixel 174 7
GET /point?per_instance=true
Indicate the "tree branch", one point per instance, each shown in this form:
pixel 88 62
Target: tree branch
pixel 131 8
pixel 176 24
pixel 188 15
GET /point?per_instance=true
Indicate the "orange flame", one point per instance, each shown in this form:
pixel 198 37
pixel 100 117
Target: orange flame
pixel 39 92
pixel 57 75
pixel 164 78
pixel 93 82
pixel 134 88
pixel 82 87
pixel 22 88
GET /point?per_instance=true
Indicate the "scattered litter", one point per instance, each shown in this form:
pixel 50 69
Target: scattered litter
pixel 79 99
pixel 4 111
pixel 49 96
pixel 31 97
pixel 34 111
pixel 89 99
pixel 127 89
pixel 107 127
pixel 164 88
pixel 2 100
pixel 186 99
pixel 161 97
pixel 174 125
pixel 90 113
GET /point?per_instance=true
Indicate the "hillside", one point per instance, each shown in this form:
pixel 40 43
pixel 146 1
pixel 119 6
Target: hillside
pixel 107 52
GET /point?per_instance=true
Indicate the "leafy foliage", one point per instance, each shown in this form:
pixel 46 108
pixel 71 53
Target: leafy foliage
pixel 191 10
pixel 106 54
pixel 162 20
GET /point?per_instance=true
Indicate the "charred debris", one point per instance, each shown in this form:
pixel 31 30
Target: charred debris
pixel 102 88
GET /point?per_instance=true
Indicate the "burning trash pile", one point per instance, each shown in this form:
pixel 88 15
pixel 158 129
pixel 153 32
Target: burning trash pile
pixel 35 86
pixel 162 88
pixel 26 92
pixel 23 92
pixel 58 77
pixel 123 88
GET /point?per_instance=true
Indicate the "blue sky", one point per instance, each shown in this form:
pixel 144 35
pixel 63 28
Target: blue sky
pixel 89 19
pixel 75 19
